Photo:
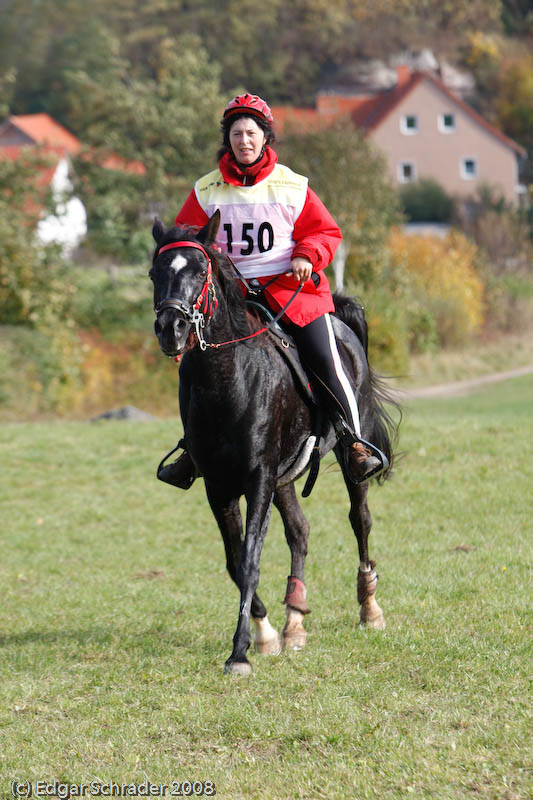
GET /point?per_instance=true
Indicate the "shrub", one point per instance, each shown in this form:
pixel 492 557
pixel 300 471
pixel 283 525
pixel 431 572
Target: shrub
pixel 497 228
pixel 114 300
pixel 388 349
pixel 35 290
pixel 129 369
pixel 502 235
pixel 426 201
pixel 441 282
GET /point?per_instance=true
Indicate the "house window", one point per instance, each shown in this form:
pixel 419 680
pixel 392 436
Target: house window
pixel 468 168
pixel 446 123
pixel 406 172
pixel 409 124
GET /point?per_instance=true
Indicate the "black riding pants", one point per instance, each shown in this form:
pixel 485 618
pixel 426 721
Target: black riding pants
pixel 319 354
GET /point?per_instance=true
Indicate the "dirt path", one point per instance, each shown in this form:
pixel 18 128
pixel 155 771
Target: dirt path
pixel 457 388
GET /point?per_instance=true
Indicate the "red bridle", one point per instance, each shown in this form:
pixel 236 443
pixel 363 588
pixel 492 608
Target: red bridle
pixel 199 317
pixel 207 296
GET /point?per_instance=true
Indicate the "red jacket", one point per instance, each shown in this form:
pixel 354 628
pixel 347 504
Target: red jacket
pixel 316 236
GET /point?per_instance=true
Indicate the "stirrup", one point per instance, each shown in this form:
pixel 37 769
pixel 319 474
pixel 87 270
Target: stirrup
pixel 167 473
pixel 348 438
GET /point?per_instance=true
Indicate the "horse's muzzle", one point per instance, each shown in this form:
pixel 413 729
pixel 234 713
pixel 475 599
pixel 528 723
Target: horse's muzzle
pixel 172 331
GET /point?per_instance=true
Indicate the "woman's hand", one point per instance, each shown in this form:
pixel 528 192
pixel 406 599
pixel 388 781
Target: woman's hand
pixel 301 269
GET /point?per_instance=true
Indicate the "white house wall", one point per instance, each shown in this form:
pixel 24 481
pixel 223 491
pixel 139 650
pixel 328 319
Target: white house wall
pixel 68 226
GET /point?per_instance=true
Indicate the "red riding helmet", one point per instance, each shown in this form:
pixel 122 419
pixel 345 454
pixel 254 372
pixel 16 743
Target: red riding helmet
pixel 249 104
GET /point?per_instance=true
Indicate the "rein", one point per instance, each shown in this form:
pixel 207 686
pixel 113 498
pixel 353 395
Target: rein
pixel 261 330
pixel 198 316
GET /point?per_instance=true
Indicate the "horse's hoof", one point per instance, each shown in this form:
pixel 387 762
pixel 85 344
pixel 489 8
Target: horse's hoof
pixel 266 639
pixel 371 614
pixel 377 624
pixel 270 648
pixel 294 641
pixel 294 634
pixel 237 668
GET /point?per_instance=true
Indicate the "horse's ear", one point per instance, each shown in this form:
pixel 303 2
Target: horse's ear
pixel 208 233
pixel 158 231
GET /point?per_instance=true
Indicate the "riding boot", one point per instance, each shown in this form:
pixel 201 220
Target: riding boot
pixel 362 460
pixel 362 463
pixel 181 472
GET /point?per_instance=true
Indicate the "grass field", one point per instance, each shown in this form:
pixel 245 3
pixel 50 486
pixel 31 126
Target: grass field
pixel 117 617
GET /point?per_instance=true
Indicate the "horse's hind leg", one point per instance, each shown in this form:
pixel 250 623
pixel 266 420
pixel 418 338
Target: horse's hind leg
pixel 367 578
pixel 228 517
pixel 296 532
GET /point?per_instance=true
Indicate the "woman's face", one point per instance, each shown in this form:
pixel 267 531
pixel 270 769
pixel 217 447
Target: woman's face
pixel 246 139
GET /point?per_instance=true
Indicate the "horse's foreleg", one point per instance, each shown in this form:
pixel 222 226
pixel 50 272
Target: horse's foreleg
pixel 367 578
pixel 296 532
pixel 257 520
pixel 228 516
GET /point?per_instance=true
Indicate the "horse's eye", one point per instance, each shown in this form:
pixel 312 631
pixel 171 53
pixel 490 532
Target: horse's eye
pixel 203 273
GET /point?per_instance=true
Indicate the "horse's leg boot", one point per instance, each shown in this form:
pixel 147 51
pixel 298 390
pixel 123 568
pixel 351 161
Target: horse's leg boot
pixel 181 473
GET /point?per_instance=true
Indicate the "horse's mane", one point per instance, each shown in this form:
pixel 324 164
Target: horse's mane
pixel 242 323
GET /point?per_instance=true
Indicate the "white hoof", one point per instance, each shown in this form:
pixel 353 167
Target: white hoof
pixel 294 634
pixel 271 648
pixel 266 639
pixel 294 641
pixel 371 614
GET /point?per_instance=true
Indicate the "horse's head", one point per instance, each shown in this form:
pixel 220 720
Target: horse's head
pixel 184 293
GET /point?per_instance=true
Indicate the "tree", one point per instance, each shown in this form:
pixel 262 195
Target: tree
pixel 281 50
pixel 169 123
pixel 504 79
pixel 514 105
pixel 350 176
pixel 517 17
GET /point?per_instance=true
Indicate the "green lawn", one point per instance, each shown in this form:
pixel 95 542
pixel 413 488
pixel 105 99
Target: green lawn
pixel 117 617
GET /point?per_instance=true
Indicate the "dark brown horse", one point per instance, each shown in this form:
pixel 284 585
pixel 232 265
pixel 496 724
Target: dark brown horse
pixel 249 426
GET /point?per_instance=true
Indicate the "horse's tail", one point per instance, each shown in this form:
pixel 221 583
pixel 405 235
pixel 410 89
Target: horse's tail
pixel 384 428
pixel 352 313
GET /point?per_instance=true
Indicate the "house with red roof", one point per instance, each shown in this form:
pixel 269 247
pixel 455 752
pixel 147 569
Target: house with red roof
pixel 424 131
pixel 68 226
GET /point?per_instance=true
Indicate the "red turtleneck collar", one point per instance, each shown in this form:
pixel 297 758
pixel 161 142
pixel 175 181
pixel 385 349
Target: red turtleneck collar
pixel 239 175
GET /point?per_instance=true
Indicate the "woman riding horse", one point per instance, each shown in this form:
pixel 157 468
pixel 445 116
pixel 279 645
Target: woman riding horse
pixel 279 235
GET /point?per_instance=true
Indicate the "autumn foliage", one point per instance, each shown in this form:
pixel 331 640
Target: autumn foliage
pixel 443 274
pixel 428 294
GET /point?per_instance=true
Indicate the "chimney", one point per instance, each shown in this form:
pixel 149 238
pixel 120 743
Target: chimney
pixel 403 73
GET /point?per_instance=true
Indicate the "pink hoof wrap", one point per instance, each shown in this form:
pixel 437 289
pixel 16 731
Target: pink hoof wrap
pixel 367 583
pixel 296 595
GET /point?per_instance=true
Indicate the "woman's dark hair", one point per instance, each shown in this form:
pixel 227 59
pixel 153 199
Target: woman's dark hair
pixel 226 124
